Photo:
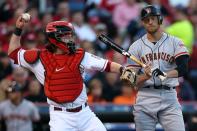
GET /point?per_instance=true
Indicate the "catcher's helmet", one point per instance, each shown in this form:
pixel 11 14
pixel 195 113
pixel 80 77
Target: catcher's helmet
pixel 57 32
pixel 150 10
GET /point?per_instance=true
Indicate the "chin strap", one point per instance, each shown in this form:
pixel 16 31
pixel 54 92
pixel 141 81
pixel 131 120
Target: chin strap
pixel 59 45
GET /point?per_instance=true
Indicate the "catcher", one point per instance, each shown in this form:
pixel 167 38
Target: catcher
pixel 61 69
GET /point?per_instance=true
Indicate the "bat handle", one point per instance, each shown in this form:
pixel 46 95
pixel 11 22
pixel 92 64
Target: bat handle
pixel 162 78
pixel 143 65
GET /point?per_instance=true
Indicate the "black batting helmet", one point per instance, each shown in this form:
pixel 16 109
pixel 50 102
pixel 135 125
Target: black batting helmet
pixel 150 10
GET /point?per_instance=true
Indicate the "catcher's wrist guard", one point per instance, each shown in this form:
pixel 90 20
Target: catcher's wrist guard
pixel 18 31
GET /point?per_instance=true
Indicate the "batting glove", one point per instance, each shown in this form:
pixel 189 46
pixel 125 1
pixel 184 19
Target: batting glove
pixel 157 72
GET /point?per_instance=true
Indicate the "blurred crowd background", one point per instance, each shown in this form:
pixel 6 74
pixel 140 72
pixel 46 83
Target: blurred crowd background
pixel 119 19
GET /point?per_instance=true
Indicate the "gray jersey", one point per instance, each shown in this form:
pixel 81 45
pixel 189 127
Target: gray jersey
pixel 19 118
pixel 162 55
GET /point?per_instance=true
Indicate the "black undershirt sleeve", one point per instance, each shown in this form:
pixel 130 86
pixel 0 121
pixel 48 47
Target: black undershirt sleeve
pixel 182 65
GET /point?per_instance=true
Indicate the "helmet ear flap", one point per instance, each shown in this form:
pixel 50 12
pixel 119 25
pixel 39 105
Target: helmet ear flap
pixel 160 19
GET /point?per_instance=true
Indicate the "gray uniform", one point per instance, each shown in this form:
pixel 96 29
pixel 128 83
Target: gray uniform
pixel 19 118
pixel 158 105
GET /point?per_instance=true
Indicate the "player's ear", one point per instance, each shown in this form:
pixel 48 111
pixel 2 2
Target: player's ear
pixel 141 22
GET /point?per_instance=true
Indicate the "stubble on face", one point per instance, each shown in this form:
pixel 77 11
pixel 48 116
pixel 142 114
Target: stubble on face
pixel 153 26
pixel 152 30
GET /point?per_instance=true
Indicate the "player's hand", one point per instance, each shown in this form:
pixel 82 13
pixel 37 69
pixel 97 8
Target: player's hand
pixel 157 72
pixel 147 70
pixel 20 22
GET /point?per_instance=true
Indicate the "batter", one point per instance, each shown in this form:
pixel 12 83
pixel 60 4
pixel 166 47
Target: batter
pixel 157 100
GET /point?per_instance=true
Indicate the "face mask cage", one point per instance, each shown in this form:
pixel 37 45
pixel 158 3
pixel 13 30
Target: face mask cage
pixel 66 36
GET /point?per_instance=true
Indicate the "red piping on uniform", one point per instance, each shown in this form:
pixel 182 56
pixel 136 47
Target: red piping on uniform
pixel 182 53
pixel 108 67
pixel 13 55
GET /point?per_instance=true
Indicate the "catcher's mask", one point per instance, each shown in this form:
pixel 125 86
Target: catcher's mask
pixel 61 34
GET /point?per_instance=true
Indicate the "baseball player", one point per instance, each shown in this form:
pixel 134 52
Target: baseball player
pixel 17 112
pixel 164 55
pixel 61 69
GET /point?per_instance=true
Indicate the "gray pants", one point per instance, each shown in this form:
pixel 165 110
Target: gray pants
pixel 158 106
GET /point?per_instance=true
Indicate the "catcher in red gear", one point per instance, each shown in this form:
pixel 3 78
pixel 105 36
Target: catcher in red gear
pixel 61 68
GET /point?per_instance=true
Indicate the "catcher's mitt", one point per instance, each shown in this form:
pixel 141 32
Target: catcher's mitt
pixel 128 76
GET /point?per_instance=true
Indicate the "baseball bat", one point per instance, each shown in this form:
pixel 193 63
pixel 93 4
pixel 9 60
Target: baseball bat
pixel 119 49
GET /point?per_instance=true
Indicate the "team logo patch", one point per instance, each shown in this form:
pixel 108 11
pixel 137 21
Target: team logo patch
pixel 148 10
pixel 59 69
pixel 181 44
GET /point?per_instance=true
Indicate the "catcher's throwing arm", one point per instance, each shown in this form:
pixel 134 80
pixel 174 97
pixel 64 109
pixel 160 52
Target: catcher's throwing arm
pixel 119 49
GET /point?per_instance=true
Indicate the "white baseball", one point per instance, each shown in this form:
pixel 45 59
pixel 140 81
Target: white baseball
pixel 26 16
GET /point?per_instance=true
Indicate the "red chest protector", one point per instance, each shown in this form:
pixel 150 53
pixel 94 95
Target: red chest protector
pixel 63 80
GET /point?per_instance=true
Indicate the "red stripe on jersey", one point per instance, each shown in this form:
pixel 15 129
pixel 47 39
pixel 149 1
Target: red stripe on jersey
pixel 14 55
pixel 182 53
pixel 108 67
